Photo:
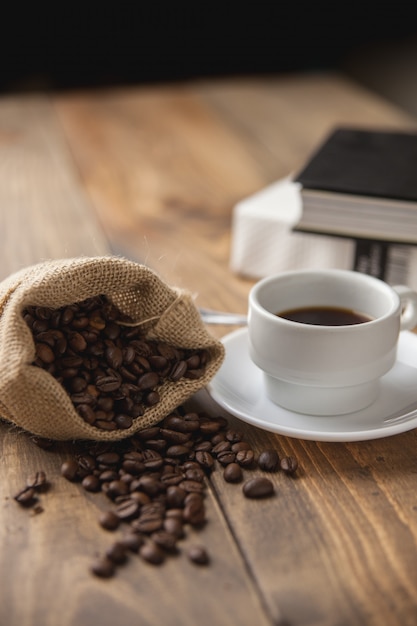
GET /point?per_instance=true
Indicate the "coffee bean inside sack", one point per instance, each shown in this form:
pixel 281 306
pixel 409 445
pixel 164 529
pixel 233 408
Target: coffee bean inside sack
pixel 156 481
pixel 110 369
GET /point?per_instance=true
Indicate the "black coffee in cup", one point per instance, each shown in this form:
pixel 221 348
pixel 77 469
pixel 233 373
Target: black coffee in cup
pixel 324 316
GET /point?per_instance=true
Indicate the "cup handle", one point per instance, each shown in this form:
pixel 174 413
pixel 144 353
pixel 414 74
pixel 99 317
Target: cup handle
pixel 408 299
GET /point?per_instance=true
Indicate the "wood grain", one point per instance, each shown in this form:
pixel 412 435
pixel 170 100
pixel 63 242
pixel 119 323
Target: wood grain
pixel 153 173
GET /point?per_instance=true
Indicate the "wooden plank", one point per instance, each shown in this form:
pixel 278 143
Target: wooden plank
pixel 288 117
pixel 45 562
pixel 337 543
pixel 45 212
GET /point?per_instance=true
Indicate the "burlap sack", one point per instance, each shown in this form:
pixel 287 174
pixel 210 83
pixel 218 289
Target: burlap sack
pixel 33 399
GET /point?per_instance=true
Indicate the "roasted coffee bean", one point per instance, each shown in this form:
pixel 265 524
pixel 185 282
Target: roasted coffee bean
pixel 157 444
pixel 193 362
pixel 245 458
pixel 174 525
pixel 240 445
pixel 117 488
pixel 105 425
pixel 69 469
pixel 152 459
pixel 108 475
pixel 152 553
pixel 175 496
pixel 108 458
pixel 178 451
pixel 289 464
pixel 86 462
pixel 195 473
pixel 91 483
pixel 194 513
pixel 107 384
pixel 45 353
pixel 109 520
pixel 128 509
pixel 26 497
pixel 134 467
pixel 149 433
pixel 174 436
pixel 38 481
pixel 187 424
pixel 148 381
pixel 77 342
pixel 123 421
pixel 117 553
pixel 233 436
pixel 210 427
pixel 140 497
pixel 268 461
pixel 132 541
pixel 165 540
pixel 178 370
pixel 103 567
pixel 233 473
pixel 204 459
pixel 192 486
pixel 114 356
pixel 203 446
pixel 226 456
pixel 158 362
pixel 198 555
pixel 150 485
pixel 43 443
pixel 222 446
pixel 217 438
pixel 258 487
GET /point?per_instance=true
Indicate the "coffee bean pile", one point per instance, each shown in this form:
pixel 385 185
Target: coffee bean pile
pixel 156 482
pixel 111 371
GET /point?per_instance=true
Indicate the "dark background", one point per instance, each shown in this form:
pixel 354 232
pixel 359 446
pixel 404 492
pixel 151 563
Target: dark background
pixel 129 43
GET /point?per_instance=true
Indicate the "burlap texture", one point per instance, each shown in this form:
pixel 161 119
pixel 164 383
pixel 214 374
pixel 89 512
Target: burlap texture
pixel 32 399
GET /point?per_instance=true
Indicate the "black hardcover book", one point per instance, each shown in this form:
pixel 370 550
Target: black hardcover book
pixel 362 184
pixel 364 162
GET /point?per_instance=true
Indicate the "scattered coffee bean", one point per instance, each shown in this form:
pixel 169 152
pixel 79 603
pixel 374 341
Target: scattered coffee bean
pixel 245 458
pixel 91 483
pixel 117 553
pixel 155 482
pixel 198 555
pixel 258 487
pixel 26 497
pixel 233 473
pixel 37 483
pixel 109 520
pixel 69 469
pixel 152 553
pixel 268 461
pixel 103 567
pixel 132 541
pixel 41 442
pixel 289 464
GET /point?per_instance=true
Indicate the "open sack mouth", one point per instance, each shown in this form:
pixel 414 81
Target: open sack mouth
pixel 98 348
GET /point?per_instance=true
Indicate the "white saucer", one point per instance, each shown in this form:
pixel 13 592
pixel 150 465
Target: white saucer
pixel 239 388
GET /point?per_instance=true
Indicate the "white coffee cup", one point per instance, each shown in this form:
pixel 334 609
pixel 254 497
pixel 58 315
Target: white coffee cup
pixel 326 369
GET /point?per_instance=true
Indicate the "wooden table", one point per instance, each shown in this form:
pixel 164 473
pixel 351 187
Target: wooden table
pixel 152 174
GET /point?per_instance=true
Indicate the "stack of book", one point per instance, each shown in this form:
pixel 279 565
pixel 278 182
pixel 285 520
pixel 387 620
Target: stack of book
pixel 362 184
